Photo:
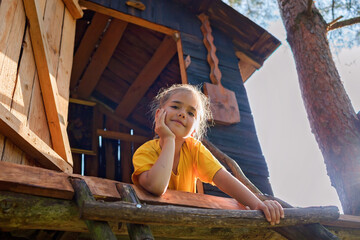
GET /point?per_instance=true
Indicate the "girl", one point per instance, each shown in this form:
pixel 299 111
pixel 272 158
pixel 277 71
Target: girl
pixel 176 159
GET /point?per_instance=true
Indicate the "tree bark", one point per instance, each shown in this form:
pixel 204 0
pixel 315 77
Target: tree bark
pixel 185 216
pixel 332 118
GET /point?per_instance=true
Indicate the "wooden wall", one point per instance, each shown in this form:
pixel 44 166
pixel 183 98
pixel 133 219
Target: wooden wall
pixel 239 141
pixel 20 88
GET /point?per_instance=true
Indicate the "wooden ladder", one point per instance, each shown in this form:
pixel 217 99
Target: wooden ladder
pixel 100 230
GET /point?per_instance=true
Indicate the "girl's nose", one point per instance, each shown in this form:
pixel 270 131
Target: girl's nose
pixel 181 114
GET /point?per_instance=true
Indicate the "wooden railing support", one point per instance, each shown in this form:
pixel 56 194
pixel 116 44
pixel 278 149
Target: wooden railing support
pixel 136 231
pixel 98 229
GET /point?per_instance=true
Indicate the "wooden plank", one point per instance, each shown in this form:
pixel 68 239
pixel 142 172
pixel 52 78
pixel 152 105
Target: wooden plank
pixel 10 55
pixel 101 57
pixel 29 142
pixel 86 47
pixel 47 82
pixel 7 14
pixel 36 119
pixel 125 17
pixel 65 63
pixel 9 77
pixel 111 151
pixel 126 158
pixel 146 77
pixel 121 136
pixel 345 221
pixel 181 60
pixel 74 8
pixel 188 199
pixel 35 181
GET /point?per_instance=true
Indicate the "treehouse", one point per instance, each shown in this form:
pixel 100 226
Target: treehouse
pixel 76 81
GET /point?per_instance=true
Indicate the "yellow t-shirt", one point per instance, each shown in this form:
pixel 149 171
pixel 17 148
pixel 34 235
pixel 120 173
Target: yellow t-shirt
pixel 196 161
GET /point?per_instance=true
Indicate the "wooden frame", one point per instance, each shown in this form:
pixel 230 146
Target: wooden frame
pixel 144 23
pixel 29 142
pixel 48 83
pixel 85 126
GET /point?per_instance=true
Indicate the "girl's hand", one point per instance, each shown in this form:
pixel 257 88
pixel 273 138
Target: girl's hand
pixel 273 211
pixel 160 127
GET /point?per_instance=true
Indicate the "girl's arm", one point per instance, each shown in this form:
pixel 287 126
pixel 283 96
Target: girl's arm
pixel 233 187
pixel 156 180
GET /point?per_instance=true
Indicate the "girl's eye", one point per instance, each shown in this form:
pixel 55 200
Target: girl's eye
pixel 191 114
pixel 174 107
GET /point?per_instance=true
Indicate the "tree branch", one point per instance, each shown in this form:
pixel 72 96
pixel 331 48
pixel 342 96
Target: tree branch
pixel 344 23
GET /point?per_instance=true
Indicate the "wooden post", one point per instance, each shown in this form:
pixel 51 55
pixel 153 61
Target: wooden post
pixel 136 231
pixel 99 230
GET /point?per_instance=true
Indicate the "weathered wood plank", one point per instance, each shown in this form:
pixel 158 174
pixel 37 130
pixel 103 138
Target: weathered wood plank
pixel 101 57
pixel 188 199
pixel 35 181
pixel 29 142
pixel 47 82
pixel 182 216
pixel 86 47
pixel 65 63
pixel 74 8
pixel 125 17
pixel 147 76
pixel 121 136
pixel 37 121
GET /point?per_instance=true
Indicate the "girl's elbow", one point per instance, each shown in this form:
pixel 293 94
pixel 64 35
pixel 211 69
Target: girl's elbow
pixel 155 189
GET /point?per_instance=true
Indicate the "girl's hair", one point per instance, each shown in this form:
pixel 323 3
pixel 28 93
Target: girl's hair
pixel 204 112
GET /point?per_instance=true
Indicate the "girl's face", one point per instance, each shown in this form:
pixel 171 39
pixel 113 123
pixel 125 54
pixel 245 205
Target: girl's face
pixel 182 111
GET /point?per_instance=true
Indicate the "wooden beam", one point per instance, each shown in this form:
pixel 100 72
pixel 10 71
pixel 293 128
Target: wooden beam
pixel 48 84
pixel 74 8
pixel 127 18
pixel 146 77
pixel 29 142
pixel 86 47
pixel 345 221
pixel 183 216
pixel 121 136
pixel 184 79
pixel 31 212
pixel 35 181
pixel 101 57
pixel 109 113
pixel 245 58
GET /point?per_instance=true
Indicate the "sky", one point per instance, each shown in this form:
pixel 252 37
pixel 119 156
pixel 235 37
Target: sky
pixel 297 170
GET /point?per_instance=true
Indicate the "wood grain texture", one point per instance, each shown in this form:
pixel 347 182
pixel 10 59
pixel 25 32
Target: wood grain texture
pixel 86 47
pixel 147 76
pixel 101 57
pixel 29 142
pixel 47 81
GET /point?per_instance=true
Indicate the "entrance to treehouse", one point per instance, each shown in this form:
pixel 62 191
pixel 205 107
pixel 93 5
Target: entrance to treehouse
pixel 119 65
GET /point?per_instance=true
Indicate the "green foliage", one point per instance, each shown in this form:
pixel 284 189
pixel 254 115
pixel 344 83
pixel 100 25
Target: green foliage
pixel 265 12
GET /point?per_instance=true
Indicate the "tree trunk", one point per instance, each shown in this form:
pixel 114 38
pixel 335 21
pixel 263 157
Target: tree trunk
pixel 332 117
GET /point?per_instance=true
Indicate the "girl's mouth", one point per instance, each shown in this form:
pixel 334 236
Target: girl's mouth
pixel 177 121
